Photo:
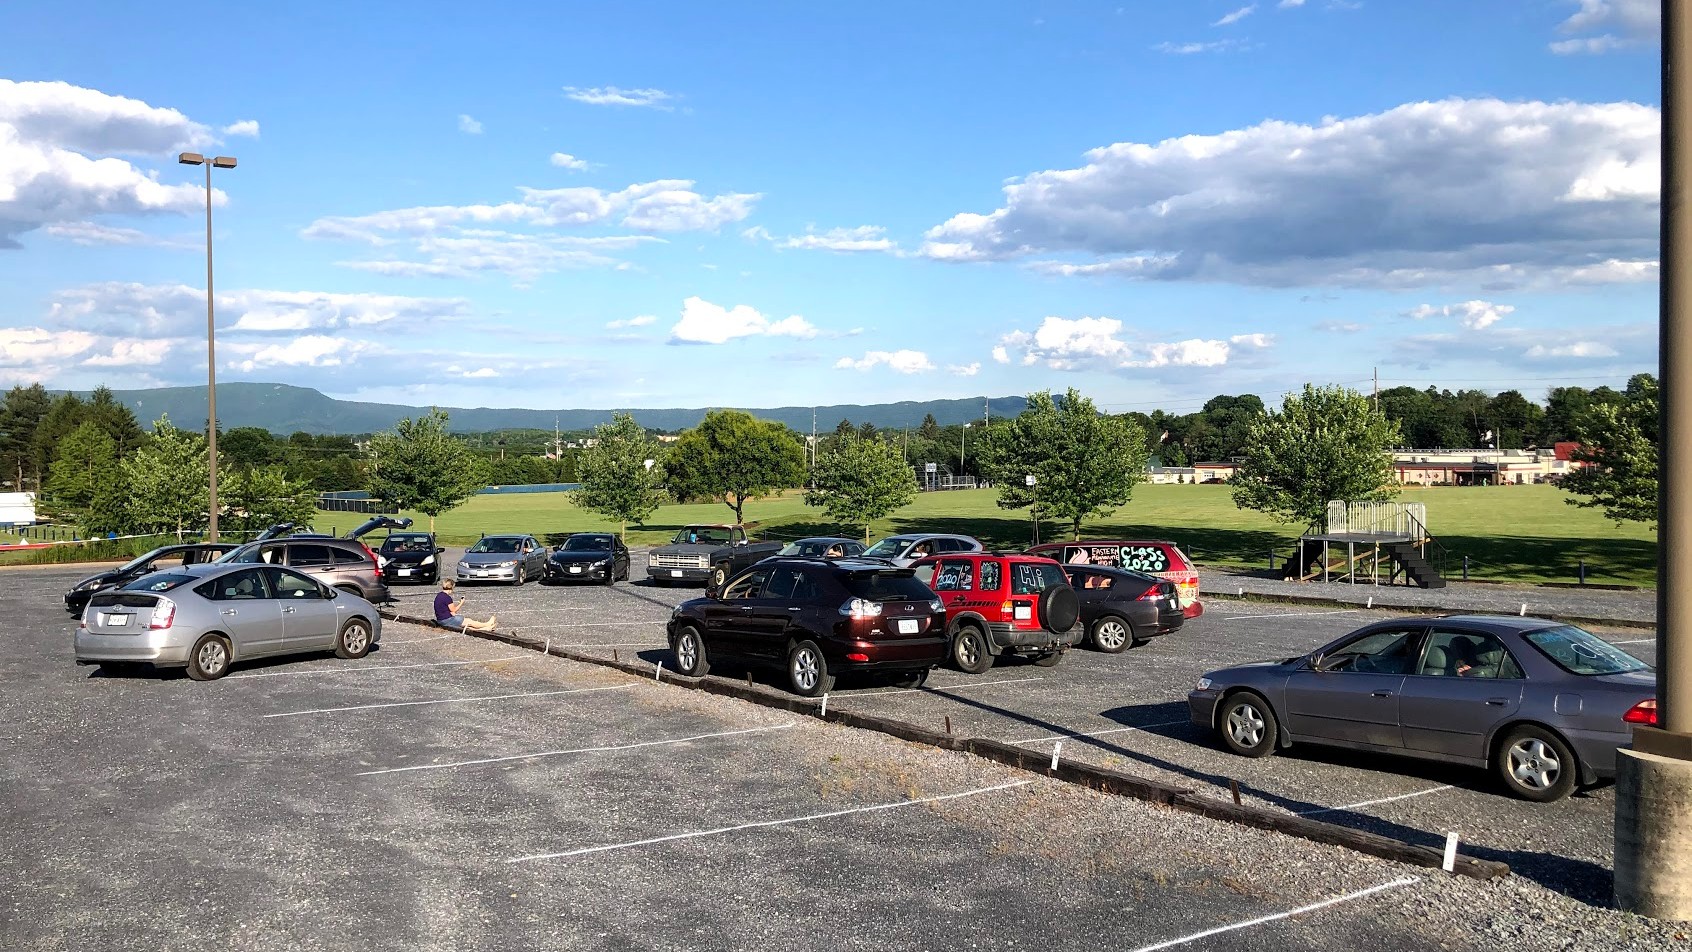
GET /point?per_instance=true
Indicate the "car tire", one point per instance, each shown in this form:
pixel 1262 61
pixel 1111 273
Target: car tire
pixel 1049 659
pixel 521 576
pixel 691 659
pixel 910 679
pixel 807 670
pixel 969 650
pixel 354 640
pixel 1535 764
pixel 1247 724
pixel 1059 608
pixel 208 660
pixel 719 576
pixel 1112 634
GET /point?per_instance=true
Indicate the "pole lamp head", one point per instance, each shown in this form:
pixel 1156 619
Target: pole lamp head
pixel 223 162
pixel 191 158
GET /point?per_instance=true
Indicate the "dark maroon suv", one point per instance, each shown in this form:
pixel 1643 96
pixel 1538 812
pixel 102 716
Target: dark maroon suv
pixel 814 618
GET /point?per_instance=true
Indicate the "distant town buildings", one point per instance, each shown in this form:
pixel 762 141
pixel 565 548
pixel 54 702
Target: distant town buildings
pixel 1459 467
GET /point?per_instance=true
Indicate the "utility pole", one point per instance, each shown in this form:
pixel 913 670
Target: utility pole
pixel 1377 389
pixel 986 411
pixel 1653 869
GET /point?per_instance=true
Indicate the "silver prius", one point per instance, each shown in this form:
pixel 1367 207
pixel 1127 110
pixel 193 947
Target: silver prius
pixel 503 558
pixel 1544 704
pixel 207 617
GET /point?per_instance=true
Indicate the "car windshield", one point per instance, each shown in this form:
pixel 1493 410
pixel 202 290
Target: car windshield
pixel 811 548
pixel 887 587
pixel 587 544
pixel 157 583
pixel 408 542
pixel 139 561
pixel 499 544
pixel 888 548
pixel 709 535
pixel 1578 651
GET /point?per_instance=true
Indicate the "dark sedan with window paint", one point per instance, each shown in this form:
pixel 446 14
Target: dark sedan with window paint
pixel 1544 704
pixel 1121 608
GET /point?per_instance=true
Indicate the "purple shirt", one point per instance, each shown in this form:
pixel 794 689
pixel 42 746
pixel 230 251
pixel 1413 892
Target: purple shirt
pixel 443 606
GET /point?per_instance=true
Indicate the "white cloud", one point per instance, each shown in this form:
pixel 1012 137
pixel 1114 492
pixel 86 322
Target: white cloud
pixel 1474 315
pixel 311 350
pixel 1496 193
pixel 705 323
pixel 175 310
pixel 1579 349
pixel 58 144
pixel 93 233
pixel 1230 19
pixel 132 353
pixel 1340 327
pixel 481 373
pixel 1619 348
pixel 1098 343
pixel 859 239
pixel 1188 49
pixel 246 127
pixel 564 160
pixel 468 125
pixel 613 96
pixel 1617 24
pixel 1289 4
pixel 965 370
pixel 640 321
pixel 24 347
pixel 900 361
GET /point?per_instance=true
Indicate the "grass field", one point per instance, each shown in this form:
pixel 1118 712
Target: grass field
pixel 1510 533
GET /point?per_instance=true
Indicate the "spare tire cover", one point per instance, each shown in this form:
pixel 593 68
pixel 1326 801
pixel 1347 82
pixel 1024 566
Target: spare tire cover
pixel 1059 608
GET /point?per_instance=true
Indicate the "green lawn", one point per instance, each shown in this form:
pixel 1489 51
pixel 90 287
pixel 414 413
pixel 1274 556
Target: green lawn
pixel 1515 533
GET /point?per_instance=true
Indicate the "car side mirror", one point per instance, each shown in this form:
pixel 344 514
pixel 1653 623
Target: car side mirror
pixel 440 550
pixel 1316 661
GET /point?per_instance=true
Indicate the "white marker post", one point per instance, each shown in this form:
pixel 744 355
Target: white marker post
pixel 1055 749
pixel 824 712
pixel 1523 612
pixel 658 672
pixel 1450 864
pixel 1371 602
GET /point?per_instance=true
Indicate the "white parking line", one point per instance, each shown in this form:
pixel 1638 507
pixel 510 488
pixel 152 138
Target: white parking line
pixel 578 750
pixel 1114 730
pixel 1370 803
pixel 449 700
pixel 1348 897
pixel 361 668
pixel 767 823
pixel 1342 611
pixel 416 641
pixel 955 687
pixel 600 624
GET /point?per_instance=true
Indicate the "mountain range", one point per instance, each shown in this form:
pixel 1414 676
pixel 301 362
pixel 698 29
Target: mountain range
pixel 284 409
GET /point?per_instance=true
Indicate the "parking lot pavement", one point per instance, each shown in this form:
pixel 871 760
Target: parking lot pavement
pixel 449 792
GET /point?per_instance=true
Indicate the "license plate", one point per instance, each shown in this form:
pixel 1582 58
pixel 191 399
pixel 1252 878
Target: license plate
pixel 117 621
pixel 675 573
pixel 1023 612
pixel 575 570
pixel 405 572
pixel 907 626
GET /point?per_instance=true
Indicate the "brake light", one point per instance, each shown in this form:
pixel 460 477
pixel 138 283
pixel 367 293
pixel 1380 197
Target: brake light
pixel 375 563
pixel 857 657
pixel 1150 595
pixel 164 613
pixel 861 608
pixel 1645 712
pixel 1007 607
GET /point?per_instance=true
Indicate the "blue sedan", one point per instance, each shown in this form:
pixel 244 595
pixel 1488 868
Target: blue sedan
pixel 1544 704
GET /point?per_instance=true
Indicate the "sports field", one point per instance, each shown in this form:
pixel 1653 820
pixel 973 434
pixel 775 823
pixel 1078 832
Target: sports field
pixel 1510 533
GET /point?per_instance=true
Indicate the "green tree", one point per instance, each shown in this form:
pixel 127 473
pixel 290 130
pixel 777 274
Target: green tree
pixel 256 497
pixel 860 481
pixel 1325 443
pixel 22 412
pixel 166 482
pixel 1618 445
pixel 619 473
pixel 421 467
pixel 88 461
pixel 248 446
pixel 930 428
pixel 1084 463
pixel 115 420
pixel 732 456
pixel 64 414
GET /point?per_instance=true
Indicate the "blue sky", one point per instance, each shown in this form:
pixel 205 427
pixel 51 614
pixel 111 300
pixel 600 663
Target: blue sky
pixel 658 204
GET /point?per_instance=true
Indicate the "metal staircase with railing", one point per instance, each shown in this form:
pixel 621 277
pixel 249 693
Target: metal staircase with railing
pixel 1360 539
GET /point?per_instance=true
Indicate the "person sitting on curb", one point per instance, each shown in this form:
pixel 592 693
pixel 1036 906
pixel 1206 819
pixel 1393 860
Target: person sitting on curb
pixel 447 612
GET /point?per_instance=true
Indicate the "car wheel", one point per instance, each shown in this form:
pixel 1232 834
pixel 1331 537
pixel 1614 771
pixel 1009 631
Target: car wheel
pixel 1248 725
pixel 969 650
pixel 807 670
pixel 1111 635
pixel 719 576
pixel 690 653
pixel 354 639
pixel 1048 660
pixel 910 679
pixel 1059 608
pixel 1536 764
pixel 209 659
pixel 521 576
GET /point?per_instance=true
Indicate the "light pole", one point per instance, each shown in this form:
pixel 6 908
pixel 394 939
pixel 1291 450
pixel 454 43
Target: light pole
pixel 1034 505
pixel 222 162
pixel 961 434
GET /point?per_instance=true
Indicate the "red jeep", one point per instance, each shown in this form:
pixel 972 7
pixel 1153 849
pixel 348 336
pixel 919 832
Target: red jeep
pixel 998 603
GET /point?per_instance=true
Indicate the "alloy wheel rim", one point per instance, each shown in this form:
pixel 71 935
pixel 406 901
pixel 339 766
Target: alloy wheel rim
pixel 357 638
pixel 805 670
pixel 1111 635
pixel 686 650
pixel 1535 764
pixel 212 657
pixel 1245 724
pixel 967 649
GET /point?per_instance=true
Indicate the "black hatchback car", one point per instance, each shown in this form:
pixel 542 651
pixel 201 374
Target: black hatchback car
pixel 815 619
pixel 1120 607
pixel 161 558
pixel 410 557
pixel 589 557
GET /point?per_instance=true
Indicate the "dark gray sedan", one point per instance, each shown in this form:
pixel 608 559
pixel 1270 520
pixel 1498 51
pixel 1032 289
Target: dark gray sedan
pixel 1544 704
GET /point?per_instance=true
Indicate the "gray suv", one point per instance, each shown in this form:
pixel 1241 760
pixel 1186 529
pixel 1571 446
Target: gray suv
pixel 346 564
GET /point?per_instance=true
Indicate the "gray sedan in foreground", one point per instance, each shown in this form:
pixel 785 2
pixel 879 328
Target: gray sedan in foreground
pixel 503 558
pixel 1544 704
pixel 207 617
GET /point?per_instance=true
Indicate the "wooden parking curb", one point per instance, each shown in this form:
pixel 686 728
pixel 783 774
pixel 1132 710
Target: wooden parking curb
pixel 1101 779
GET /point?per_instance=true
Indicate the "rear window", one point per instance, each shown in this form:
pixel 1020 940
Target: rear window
pixel 1032 578
pixel 1578 651
pixel 887 587
pixel 157 583
pixel 121 599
